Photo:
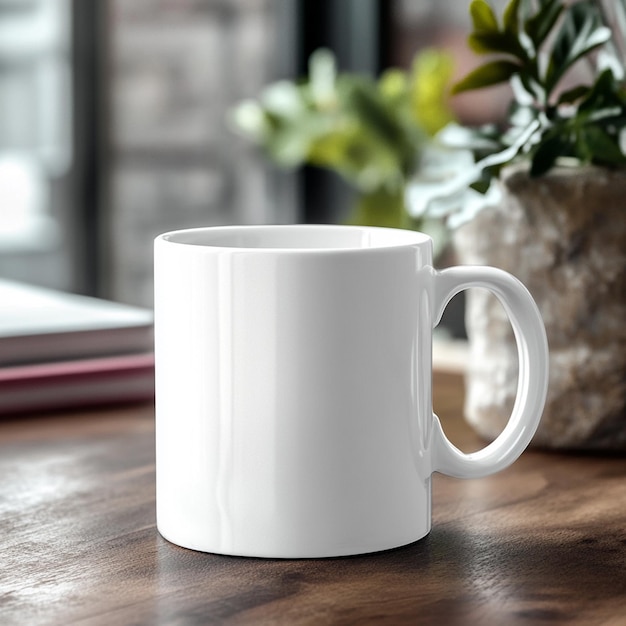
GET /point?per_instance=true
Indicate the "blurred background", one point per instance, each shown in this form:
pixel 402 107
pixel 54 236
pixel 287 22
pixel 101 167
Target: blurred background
pixel 113 121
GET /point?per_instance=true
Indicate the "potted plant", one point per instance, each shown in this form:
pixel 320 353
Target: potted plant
pixel 552 211
pixel 369 131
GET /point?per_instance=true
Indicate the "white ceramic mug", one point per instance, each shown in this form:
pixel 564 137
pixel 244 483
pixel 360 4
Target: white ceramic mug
pixel 293 387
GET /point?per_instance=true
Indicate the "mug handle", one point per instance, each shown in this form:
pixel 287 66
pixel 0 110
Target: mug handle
pixel 532 348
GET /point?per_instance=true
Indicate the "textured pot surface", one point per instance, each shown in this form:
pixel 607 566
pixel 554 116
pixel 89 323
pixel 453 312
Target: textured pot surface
pixel 564 236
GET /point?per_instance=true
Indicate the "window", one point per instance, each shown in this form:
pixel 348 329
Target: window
pixel 113 122
pixel 35 137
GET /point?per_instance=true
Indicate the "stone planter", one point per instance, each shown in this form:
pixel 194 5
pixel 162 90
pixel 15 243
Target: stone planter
pixel 564 236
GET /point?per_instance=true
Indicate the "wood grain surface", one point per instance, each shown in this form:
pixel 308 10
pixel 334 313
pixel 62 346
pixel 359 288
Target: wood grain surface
pixel 543 542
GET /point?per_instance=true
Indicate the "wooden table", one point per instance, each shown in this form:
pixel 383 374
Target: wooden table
pixel 542 542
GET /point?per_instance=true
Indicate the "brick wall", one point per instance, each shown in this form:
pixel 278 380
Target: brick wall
pixel 176 67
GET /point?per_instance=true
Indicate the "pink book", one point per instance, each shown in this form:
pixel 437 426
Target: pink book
pixel 78 383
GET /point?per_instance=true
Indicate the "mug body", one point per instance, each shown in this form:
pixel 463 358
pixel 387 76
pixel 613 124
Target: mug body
pixel 293 389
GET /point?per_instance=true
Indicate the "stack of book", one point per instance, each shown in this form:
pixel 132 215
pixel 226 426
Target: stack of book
pixel 61 350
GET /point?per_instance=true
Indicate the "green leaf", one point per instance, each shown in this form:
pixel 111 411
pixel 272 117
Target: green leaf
pixel 322 76
pixel 249 119
pixel 483 17
pixel 511 16
pixel 601 95
pixel 283 99
pixel 393 84
pixel 487 75
pixel 363 101
pixel 541 23
pixel 429 95
pixel 481 186
pixel 581 32
pixel 289 146
pixel 546 154
pixel 532 85
pixel 487 43
pixel 602 147
pixel 587 43
pixel 572 95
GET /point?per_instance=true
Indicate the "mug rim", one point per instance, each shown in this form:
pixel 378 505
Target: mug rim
pixel 399 238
